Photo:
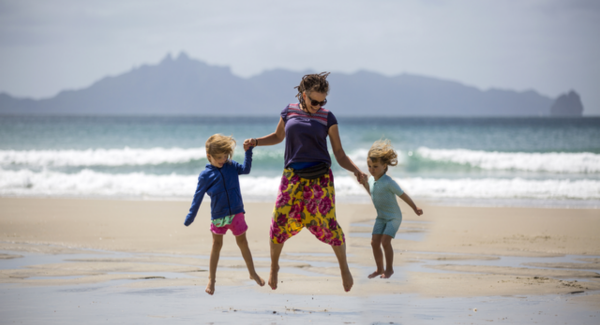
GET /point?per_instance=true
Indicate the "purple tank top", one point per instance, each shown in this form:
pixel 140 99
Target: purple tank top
pixel 306 135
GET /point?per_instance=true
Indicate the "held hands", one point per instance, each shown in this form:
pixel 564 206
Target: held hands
pixel 365 179
pixel 249 143
pixel 361 177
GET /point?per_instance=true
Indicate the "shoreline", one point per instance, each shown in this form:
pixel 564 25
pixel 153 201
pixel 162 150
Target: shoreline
pixel 356 199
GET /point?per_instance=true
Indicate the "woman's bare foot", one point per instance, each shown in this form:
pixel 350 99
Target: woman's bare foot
pixel 273 278
pixel 375 274
pixel 258 279
pixel 347 280
pixel 210 287
pixel 387 274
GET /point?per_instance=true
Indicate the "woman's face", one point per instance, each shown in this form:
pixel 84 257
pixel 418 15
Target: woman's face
pixel 310 97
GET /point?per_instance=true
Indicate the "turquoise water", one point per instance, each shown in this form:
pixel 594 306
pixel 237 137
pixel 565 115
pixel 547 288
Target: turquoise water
pixel 472 159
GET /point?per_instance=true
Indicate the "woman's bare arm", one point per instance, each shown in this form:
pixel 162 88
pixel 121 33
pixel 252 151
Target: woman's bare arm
pixel 271 139
pixel 340 155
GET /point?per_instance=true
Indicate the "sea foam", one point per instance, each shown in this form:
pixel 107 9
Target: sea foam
pixel 92 183
pixel 100 157
pixel 554 162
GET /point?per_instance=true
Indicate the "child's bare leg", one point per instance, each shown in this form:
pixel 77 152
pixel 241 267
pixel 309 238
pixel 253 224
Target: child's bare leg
pixel 275 253
pixel 378 255
pixel 386 242
pixel 340 253
pixel 242 243
pixel 214 261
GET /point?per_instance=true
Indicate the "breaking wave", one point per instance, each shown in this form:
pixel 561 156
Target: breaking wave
pixel 554 162
pixel 92 183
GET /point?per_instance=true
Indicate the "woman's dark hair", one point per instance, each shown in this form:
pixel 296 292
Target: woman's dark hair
pixel 313 82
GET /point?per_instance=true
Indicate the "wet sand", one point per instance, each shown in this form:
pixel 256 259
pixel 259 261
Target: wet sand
pixel 449 257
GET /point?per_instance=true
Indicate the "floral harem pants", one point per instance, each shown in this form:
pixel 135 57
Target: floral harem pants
pixel 306 203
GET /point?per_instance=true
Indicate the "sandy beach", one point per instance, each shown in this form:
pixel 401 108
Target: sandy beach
pixel 448 256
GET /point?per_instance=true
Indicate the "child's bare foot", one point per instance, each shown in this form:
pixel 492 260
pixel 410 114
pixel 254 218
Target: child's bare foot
pixel 387 274
pixel 258 279
pixel 375 274
pixel 347 280
pixel 210 287
pixel 273 278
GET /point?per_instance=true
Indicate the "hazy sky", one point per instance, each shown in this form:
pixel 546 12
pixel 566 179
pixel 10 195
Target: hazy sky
pixel 551 46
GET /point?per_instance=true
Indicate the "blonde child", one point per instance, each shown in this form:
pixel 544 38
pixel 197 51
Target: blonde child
pixel 383 190
pixel 221 182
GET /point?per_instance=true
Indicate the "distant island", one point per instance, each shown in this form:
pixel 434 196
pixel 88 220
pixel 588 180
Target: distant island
pixel 567 105
pixel 184 86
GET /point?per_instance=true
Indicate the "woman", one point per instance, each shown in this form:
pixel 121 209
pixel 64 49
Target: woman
pixel 306 196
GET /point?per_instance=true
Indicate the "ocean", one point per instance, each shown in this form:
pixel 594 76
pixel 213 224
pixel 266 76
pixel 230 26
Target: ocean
pixel 545 162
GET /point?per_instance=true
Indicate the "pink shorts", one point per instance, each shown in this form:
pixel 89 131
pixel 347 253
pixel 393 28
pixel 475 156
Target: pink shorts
pixel 238 226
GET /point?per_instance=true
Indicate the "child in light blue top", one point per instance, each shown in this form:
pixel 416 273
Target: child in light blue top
pixel 383 190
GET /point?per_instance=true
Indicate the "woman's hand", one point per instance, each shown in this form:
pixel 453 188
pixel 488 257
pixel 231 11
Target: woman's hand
pixel 364 180
pixel 361 177
pixel 418 211
pixel 249 143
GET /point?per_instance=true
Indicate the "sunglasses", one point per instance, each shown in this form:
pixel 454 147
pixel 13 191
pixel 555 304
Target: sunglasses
pixel 315 103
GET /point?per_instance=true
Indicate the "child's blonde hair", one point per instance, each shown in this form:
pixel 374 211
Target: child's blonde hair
pixel 220 144
pixel 382 151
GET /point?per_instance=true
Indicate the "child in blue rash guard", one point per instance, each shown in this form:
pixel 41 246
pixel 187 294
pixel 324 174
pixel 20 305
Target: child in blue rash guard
pixel 221 182
pixel 383 190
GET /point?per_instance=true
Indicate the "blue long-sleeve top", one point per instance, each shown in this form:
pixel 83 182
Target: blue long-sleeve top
pixel 223 187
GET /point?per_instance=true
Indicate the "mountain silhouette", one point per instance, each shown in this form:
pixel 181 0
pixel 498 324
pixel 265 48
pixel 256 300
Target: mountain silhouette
pixel 184 86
